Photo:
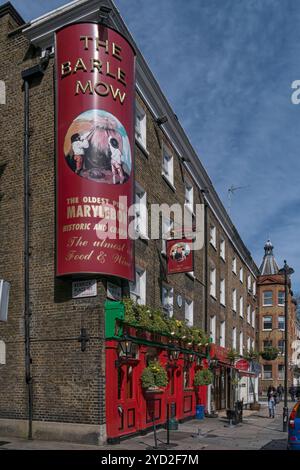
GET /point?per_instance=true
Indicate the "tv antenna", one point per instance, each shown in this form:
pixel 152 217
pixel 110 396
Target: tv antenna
pixel 231 192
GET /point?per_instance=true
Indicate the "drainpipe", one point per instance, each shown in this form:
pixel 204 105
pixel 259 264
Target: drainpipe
pixel 28 75
pixel 206 325
pixel 205 191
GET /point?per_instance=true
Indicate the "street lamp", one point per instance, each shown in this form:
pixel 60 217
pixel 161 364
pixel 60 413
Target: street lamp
pixel 287 271
pixel 125 351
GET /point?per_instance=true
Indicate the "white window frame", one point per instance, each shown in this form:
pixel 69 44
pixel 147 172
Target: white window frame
pixel 213 236
pixel 2 352
pixel 234 338
pixel 140 125
pixel 212 282
pixel 233 266
pixel 241 306
pixel 283 318
pixel 263 323
pixel 167 227
pixel 222 333
pixel 252 344
pixel 234 300
pixel 242 275
pixel 253 319
pixel 263 371
pixel 280 376
pixel 249 283
pixel 248 343
pixel 2 92
pixel 249 314
pixel 138 288
pixel 222 292
pixel 281 349
pixel 189 312
pixel 167 170
pixel 263 295
pixel 254 288
pixel 222 249
pixel 168 299
pixel 212 328
pixel 241 343
pixel 189 196
pixel 141 214
pixel 283 292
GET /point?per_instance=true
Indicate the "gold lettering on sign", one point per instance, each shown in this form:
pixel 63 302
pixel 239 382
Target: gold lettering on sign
pixel 116 50
pixel 104 91
pixel 95 65
pixel 80 65
pixel 66 69
pixel 86 40
pixel 84 89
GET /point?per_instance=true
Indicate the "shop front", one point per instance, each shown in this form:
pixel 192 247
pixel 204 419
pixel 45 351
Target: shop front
pixel 248 382
pixel 224 373
pixel 130 408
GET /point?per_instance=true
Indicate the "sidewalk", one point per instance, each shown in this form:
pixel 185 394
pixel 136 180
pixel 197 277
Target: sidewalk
pixel 256 432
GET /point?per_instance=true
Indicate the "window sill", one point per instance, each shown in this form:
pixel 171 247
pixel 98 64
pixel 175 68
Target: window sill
pixel 214 247
pixel 234 272
pixel 223 259
pixel 142 148
pixel 169 183
pixel 213 297
pixel 222 304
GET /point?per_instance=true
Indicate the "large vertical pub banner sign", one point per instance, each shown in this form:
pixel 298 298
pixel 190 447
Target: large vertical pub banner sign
pixel 95 96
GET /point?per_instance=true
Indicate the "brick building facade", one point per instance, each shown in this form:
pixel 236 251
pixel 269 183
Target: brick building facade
pixel 271 319
pixel 69 385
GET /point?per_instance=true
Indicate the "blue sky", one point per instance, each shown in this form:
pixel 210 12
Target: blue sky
pixel 226 67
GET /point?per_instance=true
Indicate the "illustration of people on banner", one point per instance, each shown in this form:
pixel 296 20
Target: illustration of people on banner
pixel 97 147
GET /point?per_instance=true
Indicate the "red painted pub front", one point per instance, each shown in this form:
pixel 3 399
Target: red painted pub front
pixel 131 409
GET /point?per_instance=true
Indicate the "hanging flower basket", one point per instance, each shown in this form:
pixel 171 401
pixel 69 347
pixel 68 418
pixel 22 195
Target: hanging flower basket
pixel 151 390
pixel 154 377
pixel 232 355
pixel 269 354
pixel 203 377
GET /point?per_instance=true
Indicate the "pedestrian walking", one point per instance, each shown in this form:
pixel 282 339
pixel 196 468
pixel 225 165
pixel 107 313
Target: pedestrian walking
pixel 292 392
pixel 271 390
pixel 279 392
pixel 271 406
